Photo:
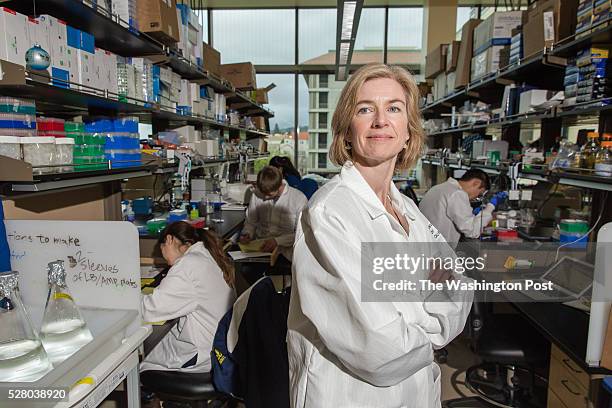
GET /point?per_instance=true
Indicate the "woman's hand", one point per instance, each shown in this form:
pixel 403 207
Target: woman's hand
pixel 245 238
pixel 269 245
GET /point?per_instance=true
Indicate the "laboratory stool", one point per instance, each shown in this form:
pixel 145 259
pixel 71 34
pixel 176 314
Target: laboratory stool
pixel 511 350
pixel 184 389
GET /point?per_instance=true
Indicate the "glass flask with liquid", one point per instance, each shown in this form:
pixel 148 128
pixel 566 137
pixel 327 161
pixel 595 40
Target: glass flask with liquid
pixel 63 330
pixel 22 356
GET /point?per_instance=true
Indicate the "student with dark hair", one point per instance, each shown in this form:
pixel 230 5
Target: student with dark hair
pixel 198 290
pixel 447 206
pixel 293 177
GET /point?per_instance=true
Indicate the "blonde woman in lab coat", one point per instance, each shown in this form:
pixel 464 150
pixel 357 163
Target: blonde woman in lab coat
pixel 197 290
pixel 344 352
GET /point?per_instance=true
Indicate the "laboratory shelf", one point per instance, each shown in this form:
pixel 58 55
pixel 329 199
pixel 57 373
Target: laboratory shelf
pixel 532 117
pixel 52 100
pixel 600 34
pixel 539 70
pixel 568 178
pixel 58 181
pixel 111 33
pixel 114 35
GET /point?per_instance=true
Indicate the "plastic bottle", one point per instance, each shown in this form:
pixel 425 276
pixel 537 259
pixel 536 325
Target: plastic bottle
pixel 603 160
pixel 589 150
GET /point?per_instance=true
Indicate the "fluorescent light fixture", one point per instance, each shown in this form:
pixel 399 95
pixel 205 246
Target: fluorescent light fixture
pixel 344 52
pixel 348 17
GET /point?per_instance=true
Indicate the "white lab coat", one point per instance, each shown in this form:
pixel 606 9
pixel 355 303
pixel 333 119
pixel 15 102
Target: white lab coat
pixel 275 218
pixel 344 352
pixel 447 207
pixel 195 292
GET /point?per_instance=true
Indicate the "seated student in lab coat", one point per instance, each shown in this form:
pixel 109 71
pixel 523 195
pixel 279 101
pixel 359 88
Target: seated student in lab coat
pixel 273 212
pixel 447 206
pixel 344 352
pixel 198 290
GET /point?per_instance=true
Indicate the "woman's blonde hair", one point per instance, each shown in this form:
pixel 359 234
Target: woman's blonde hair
pixel 345 111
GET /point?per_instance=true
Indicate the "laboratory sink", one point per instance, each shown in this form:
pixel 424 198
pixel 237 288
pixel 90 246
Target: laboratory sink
pixel 536 232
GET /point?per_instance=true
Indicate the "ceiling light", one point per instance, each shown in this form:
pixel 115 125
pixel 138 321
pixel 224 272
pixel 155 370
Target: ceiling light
pixel 348 17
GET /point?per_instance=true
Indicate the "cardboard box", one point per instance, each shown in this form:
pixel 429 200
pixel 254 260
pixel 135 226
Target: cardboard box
pixel 38 33
pixel 13 36
pixel 531 98
pixel 211 59
pixel 464 60
pixel 496 30
pixel 452 56
pixel 259 122
pixel 451 78
pixel 187 133
pixel 158 19
pixel 58 49
pixel 539 31
pixel 241 75
pixel 487 62
pixel 439 87
pixel 504 56
pixel 435 61
pixel 261 94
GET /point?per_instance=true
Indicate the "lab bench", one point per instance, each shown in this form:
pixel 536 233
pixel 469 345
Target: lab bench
pixel 231 224
pixel 572 381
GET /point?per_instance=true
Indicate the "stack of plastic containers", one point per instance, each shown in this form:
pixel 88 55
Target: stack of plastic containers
pixel 17 117
pixel 88 145
pixel 574 231
pixel 50 127
pixel 122 147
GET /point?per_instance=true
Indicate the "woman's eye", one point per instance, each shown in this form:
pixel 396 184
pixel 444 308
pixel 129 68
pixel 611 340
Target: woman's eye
pixel 394 109
pixel 365 109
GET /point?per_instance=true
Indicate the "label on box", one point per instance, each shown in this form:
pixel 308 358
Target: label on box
pixel 549 27
pixel 526 195
pixel 514 195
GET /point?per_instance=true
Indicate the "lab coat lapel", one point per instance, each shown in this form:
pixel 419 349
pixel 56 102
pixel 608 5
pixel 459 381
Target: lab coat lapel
pixel 355 181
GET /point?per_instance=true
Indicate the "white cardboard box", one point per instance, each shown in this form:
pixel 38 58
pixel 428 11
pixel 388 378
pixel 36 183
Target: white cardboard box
pixel 185 93
pixel 86 68
pixel 38 33
pixel 531 98
pixel 13 36
pixel 73 61
pixel 187 133
pixel 58 42
pixel 486 62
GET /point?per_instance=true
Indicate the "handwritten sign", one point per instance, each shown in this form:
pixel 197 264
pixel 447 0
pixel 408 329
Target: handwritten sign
pixel 101 260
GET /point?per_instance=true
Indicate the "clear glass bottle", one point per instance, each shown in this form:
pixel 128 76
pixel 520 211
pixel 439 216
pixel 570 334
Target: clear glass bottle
pixel 22 356
pixel 589 150
pixel 64 330
pixel 603 160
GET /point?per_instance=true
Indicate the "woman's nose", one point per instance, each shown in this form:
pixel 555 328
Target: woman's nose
pixel 380 119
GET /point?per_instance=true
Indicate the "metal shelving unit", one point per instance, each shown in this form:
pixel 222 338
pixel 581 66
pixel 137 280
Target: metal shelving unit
pixel 115 35
pixel 562 177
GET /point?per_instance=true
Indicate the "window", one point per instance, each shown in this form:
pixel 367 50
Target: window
pixel 370 41
pixel 203 19
pixel 323 81
pixel 246 35
pixel 317 36
pixel 322 120
pixel 322 140
pixel 405 33
pixel 322 160
pixel 280 99
pixel 463 15
pixel 323 100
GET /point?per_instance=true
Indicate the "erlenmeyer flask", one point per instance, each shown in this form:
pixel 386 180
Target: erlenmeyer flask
pixel 63 330
pixel 22 356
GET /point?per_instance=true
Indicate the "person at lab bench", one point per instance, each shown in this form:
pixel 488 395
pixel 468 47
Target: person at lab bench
pixel 447 206
pixel 273 212
pixel 198 290
pixel 344 352
pixel 293 177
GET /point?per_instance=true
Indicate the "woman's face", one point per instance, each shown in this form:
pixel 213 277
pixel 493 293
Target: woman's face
pixel 172 249
pixel 379 128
